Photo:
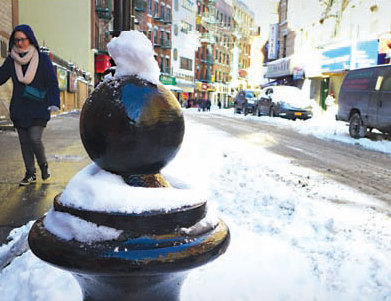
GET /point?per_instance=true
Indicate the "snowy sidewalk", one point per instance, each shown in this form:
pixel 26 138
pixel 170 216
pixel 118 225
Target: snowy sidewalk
pixel 296 235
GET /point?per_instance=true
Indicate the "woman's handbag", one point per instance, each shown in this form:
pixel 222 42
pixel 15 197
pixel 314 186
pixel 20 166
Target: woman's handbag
pixel 33 93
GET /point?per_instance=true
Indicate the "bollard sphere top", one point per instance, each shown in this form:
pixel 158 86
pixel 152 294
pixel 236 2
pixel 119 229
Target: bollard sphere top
pixel 130 126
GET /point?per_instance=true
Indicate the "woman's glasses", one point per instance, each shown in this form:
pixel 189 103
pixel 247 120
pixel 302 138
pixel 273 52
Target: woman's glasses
pixel 16 40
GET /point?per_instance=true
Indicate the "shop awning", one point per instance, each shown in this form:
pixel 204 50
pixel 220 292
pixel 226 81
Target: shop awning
pixel 173 88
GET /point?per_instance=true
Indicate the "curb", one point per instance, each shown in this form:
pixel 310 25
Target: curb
pixel 7 127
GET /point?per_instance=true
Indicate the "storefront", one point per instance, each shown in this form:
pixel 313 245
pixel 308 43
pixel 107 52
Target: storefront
pixel 187 93
pixel 170 83
pixel 203 92
pixel 285 71
pixel 337 60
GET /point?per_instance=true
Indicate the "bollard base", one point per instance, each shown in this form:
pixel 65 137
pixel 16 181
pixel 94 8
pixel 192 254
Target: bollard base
pixel 127 288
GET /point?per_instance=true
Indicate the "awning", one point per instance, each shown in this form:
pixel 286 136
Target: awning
pixel 173 88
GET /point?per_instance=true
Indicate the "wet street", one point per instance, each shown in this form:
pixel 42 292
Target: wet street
pixel 66 156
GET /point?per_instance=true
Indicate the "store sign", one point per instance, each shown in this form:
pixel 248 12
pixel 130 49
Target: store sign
pixel 362 54
pixel 278 68
pixel 298 73
pixel 242 73
pixel 62 78
pixel 167 79
pixel 273 42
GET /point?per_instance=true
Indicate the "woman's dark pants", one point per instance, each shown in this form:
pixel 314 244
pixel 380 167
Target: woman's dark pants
pixel 31 144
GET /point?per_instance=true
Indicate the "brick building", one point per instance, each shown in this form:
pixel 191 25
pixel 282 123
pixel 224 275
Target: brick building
pixel 8 20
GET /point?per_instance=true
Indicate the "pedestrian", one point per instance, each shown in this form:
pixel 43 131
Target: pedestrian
pixel 208 104
pixel 330 99
pixel 35 94
pixel 219 104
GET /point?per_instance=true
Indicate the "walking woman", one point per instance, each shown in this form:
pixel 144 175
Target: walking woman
pixel 35 94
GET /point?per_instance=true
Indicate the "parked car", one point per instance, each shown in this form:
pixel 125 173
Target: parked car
pixel 365 100
pixel 283 101
pixel 245 101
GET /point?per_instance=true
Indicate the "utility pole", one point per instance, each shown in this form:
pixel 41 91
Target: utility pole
pixel 123 16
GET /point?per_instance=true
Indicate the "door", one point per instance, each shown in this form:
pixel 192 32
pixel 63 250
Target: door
pixel 324 91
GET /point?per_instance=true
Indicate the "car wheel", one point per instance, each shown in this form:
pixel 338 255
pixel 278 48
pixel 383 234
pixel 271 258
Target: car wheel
pixel 272 113
pixel 245 110
pixel 357 129
pixel 258 111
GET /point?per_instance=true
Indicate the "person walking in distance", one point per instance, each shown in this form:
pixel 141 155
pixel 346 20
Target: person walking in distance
pixel 35 94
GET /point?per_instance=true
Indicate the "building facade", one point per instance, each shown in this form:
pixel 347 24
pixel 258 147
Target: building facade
pixel 243 31
pixel 8 20
pixel 183 53
pixel 319 41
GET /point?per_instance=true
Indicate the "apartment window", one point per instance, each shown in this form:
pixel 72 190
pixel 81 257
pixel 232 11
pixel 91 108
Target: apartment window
pixel 284 46
pixel 168 15
pixel 168 39
pixel 149 7
pixel 161 37
pixel 155 14
pixel 161 64
pixel 162 11
pixel 186 63
pixel 155 36
pixel 167 70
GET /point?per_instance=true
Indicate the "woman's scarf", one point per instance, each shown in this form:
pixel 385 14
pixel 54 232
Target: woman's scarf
pixel 31 56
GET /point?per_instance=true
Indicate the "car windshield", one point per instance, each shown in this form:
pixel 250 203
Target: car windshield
pixel 250 94
pixel 292 96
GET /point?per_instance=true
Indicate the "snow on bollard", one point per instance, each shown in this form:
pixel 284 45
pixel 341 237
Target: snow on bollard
pixel 119 226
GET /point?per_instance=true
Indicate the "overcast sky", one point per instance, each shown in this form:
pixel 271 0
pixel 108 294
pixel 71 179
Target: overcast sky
pixel 262 11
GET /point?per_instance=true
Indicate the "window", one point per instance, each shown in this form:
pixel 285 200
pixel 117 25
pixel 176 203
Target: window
pixel 167 39
pixel 155 14
pixel 168 15
pixel 161 63
pixel 186 63
pixel 360 80
pixel 167 69
pixel 155 36
pixel 149 7
pixel 185 27
pixel 386 84
pixel 284 46
pixel 161 37
pixel 162 11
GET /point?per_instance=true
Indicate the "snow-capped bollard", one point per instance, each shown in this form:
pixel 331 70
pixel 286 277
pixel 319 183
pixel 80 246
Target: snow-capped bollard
pixel 120 227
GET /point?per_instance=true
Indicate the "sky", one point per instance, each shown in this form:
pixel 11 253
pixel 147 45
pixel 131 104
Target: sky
pixel 262 13
pixel 295 235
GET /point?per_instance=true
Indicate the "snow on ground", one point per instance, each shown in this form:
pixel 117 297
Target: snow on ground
pixel 296 235
pixel 323 126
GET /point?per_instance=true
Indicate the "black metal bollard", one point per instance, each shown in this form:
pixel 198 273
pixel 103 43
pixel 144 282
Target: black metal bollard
pixel 133 128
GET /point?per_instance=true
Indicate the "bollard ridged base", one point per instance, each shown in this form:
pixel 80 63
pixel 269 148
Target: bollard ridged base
pixel 135 266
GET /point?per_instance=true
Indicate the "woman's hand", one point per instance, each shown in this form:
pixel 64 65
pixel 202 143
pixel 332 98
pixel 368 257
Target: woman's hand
pixel 53 108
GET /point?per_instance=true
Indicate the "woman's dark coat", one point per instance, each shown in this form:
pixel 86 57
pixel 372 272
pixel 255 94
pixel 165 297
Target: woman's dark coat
pixel 23 111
